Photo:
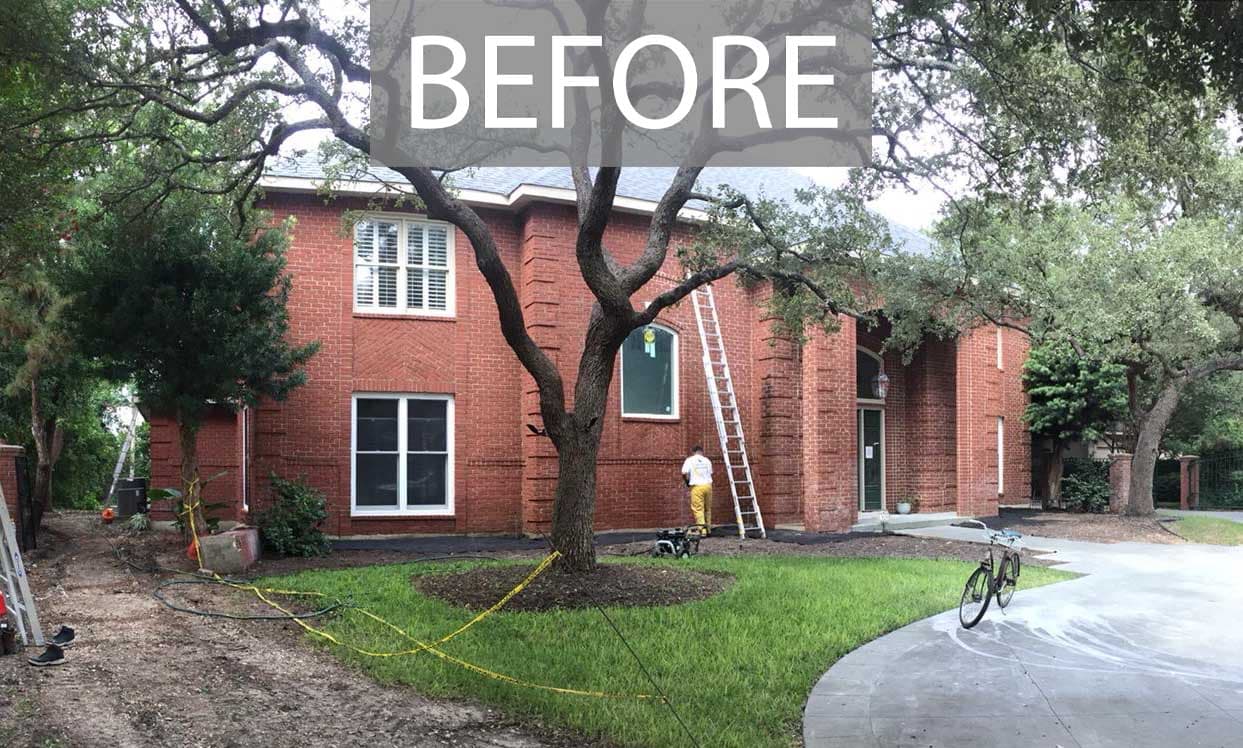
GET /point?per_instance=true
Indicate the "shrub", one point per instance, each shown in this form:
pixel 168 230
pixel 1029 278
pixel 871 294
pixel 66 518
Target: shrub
pixel 1085 486
pixel 291 526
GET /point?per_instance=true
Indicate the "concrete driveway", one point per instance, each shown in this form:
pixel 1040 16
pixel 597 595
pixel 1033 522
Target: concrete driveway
pixel 1147 650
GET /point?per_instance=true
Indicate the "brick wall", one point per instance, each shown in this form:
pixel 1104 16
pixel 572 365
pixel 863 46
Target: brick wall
pixel 219 463
pixel 8 482
pixel 798 403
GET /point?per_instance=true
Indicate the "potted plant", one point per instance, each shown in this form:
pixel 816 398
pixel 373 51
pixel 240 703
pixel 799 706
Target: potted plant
pixel 909 505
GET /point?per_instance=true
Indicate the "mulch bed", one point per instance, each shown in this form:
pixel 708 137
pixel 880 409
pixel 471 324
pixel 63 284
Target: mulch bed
pixel 608 585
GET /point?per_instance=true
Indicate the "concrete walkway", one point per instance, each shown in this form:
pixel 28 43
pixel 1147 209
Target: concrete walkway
pixel 1233 516
pixel 1147 650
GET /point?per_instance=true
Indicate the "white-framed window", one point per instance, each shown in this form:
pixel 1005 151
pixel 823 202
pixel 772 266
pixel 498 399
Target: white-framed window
pixel 1001 455
pixel 403 266
pixel 401 456
pixel 245 459
pixel 1000 359
pixel 649 373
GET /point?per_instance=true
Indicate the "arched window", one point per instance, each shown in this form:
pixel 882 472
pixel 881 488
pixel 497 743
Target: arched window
pixel 867 367
pixel 649 373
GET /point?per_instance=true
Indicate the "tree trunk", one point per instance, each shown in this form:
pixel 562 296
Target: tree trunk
pixel 1147 444
pixel 1053 470
pixel 577 439
pixel 47 450
pixel 192 489
pixel 574 509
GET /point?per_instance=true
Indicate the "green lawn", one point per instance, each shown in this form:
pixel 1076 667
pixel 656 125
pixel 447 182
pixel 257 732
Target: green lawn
pixel 1212 530
pixel 738 666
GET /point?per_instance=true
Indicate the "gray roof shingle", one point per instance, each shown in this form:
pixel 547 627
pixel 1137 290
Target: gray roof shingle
pixel 644 183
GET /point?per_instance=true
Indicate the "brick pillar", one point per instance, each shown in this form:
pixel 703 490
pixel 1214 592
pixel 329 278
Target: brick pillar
pixel 8 481
pixel 829 448
pixel 541 284
pixel 1119 482
pixel 1188 482
pixel 778 443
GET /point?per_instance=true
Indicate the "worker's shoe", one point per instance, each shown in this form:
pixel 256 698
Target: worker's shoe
pixel 53 655
pixel 64 637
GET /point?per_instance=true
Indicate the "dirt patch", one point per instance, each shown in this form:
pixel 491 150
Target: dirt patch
pixel 609 585
pixel 1094 528
pixel 142 675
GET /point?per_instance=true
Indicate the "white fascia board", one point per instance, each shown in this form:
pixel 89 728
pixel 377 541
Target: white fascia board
pixel 520 196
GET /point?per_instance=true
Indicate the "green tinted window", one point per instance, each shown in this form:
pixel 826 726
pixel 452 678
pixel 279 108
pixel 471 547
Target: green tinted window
pixel 649 373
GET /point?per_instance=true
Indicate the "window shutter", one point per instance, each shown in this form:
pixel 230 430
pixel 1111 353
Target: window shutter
pixel 387 239
pixel 437 246
pixel 414 243
pixel 414 288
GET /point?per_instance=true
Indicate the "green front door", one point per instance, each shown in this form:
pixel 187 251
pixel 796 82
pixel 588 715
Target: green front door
pixel 871 459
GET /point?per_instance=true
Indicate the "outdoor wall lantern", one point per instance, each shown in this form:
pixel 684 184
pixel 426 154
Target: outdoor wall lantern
pixel 880 385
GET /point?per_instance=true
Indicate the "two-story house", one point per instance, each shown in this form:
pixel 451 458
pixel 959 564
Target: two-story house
pixel 413 418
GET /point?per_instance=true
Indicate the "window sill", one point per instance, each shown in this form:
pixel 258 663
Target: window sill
pixel 425 316
pixel 431 514
pixel 652 419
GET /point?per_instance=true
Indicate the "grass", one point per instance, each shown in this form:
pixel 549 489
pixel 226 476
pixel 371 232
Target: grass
pixel 737 666
pixel 1211 530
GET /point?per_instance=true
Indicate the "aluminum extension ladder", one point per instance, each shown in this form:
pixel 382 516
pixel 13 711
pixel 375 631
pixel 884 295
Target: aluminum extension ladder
pixel 17 587
pixel 725 411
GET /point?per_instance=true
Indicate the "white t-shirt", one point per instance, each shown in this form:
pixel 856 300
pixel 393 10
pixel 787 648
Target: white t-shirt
pixel 699 468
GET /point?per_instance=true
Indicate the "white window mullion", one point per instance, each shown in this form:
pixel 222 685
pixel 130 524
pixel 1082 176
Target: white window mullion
pixel 427 276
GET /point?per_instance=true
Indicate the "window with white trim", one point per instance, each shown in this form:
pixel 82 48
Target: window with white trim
pixel 403 265
pixel 1000 359
pixel 649 373
pixel 402 457
pixel 1001 456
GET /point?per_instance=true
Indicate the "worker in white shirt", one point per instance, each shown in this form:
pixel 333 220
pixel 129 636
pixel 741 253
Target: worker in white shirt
pixel 697 472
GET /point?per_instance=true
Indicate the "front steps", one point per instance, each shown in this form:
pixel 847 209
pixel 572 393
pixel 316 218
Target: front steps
pixel 886 522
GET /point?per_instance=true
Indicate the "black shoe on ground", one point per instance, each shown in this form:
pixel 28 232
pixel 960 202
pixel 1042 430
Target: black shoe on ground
pixel 63 638
pixel 53 655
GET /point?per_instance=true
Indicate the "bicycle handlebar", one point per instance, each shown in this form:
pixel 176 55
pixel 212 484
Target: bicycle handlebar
pixel 1005 535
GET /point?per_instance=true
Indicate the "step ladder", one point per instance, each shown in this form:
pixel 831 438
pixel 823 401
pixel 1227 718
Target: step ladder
pixel 130 436
pixel 17 588
pixel 725 411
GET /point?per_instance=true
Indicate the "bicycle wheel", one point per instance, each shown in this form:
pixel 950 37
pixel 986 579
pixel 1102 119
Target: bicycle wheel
pixel 1009 580
pixel 975 595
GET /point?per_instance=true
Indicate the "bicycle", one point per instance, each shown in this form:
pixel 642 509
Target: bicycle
pixel 983 584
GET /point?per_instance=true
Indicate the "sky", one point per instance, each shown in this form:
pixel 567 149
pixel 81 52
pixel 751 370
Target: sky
pixel 913 210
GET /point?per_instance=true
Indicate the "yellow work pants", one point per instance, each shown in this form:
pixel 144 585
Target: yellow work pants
pixel 701 505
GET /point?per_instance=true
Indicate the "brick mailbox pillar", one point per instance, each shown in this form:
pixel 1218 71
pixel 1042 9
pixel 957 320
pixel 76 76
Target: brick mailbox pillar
pixel 1119 482
pixel 8 481
pixel 1188 481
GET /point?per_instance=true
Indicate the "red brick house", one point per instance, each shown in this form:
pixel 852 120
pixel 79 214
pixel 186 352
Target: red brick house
pixel 413 418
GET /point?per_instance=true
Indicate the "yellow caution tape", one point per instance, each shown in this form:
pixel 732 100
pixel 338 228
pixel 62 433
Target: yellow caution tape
pixel 420 646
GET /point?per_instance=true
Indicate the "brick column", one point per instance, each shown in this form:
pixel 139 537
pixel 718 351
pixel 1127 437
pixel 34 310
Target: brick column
pixel 541 289
pixel 1188 481
pixel 778 443
pixel 1119 482
pixel 829 448
pixel 8 481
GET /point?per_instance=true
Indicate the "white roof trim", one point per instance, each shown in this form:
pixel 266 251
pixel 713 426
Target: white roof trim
pixel 520 196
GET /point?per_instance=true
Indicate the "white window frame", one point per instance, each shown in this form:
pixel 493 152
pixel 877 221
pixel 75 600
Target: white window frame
pixel 1001 455
pixel 245 450
pixel 880 364
pixel 675 352
pixel 1000 359
pixel 403 267
pixel 402 440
